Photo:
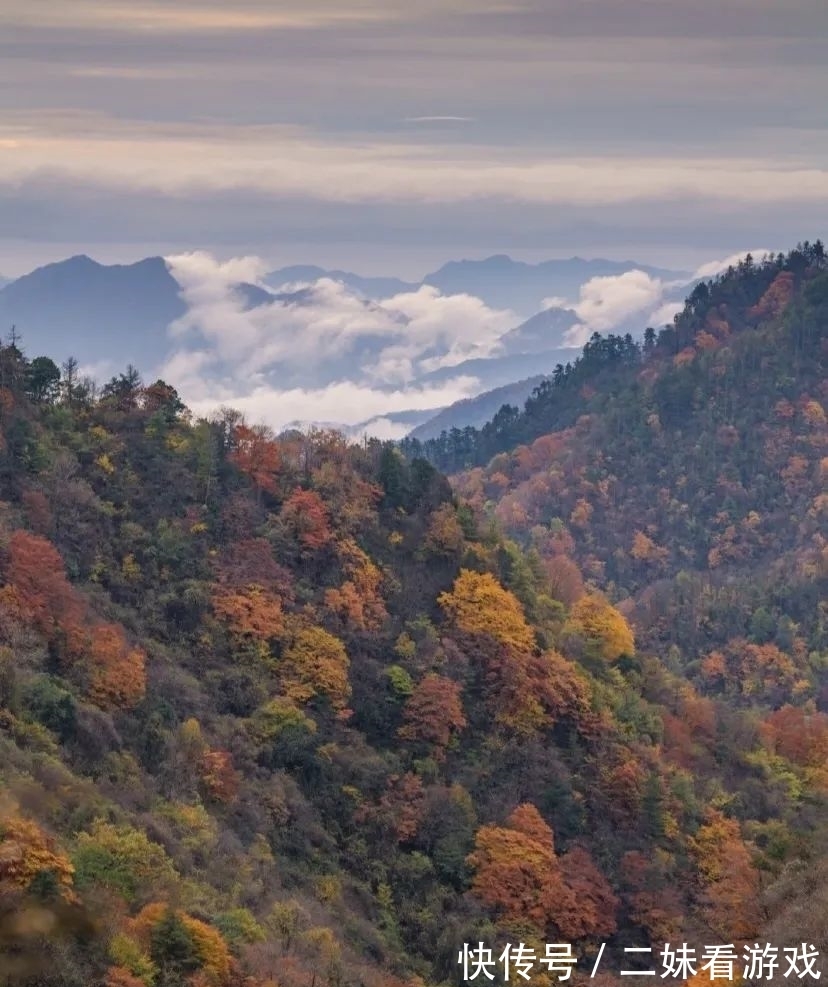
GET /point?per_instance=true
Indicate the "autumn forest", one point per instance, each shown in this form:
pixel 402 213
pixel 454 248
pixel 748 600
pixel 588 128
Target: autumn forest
pixel 293 711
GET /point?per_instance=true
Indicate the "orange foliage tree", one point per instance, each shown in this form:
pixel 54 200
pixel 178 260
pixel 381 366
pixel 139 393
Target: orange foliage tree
pixel 213 955
pixel 256 454
pixel 45 596
pixel 119 976
pixel 253 612
pixel 777 298
pixel 756 670
pixel 564 579
pixel 358 601
pixel 525 690
pixel 219 777
pixel 644 549
pixel 798 734
pixel 26 853
pixel 445 533
pixel 652 896
pixel 306 516
pixel 403 800
pixel 595 901
pixel 117 672
pixel 517 872
pixel 250 562
pixel 433 713
pixel 730 882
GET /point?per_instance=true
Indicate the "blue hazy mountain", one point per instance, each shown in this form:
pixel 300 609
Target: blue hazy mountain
pixel 376 288
pixel 499 281
pixel 504 283
pixel 495 371
pixel 117 313
pixel 544 331
pixel 478 410
pixel 80 308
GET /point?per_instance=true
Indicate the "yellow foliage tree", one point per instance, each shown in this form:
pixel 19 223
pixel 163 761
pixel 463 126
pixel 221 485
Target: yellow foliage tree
pixel 478 604
pixel 26 852
pixel 316 663
pixel 210 946
pixel 445 534
pixel 602 627
pixel 358 602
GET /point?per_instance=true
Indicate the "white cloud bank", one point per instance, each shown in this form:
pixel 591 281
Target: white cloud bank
pixel 346 359
pixel 609 303
pixel 345 403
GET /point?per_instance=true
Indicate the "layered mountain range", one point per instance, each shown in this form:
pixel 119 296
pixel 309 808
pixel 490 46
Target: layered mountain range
pixel 465 329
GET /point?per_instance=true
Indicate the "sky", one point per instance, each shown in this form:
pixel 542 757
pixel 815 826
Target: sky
pixel 388 136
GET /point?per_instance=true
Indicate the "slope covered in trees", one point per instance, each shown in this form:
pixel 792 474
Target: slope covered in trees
pixel 686 478
pixel 290 711
pixel 609 369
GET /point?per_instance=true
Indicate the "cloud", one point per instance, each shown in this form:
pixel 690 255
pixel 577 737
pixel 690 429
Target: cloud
pixel 99 370
pixel 319 351
pixel 384 428
pixel 282 161
pixel 607 302
pixel 444 330
pixel 187 112
pixel 345 402
pixel 439 119
pixel 188 18
pixel 323 331
pixel 714 267
pixel 664 314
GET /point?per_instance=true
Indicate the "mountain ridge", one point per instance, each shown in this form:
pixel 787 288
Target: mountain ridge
pixel 109 316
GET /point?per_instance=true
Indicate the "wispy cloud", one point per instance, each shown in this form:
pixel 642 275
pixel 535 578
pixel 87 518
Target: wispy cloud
pixel 665 314
pixel 714 267
pixel 186 18
pixel 446 118
pixel 288 162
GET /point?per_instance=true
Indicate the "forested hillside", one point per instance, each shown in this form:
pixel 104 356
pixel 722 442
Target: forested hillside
pixel 291 711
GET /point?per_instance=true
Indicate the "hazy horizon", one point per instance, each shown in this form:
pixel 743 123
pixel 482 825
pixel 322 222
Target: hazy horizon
pixel 15 264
